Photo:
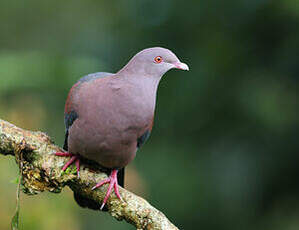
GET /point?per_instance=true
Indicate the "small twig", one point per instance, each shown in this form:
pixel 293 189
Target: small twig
pixel 15 219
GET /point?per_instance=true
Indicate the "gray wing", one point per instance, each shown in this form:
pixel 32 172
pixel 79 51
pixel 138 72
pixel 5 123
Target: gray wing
pixel 69 118
pixel 70 114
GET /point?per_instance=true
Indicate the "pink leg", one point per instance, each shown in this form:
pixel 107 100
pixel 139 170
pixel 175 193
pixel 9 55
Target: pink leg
pixel 112 180
pixel 74 158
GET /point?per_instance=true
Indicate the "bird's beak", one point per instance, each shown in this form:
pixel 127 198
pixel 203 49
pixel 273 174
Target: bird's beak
pixel 181 65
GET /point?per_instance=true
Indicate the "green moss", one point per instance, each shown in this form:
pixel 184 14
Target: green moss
pixel 72 169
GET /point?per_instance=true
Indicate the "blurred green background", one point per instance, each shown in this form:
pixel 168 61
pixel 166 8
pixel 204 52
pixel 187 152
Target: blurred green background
pixel 224 150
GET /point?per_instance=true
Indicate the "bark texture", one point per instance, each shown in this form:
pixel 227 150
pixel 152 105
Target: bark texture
pixel 42 172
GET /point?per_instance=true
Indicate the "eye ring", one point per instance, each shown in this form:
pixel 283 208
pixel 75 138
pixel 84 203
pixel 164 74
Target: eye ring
pixel 158 59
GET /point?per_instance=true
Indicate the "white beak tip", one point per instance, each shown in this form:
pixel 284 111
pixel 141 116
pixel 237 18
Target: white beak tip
pixel 182 66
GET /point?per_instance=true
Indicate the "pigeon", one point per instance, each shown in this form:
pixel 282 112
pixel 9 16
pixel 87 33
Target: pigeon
pixel 108 116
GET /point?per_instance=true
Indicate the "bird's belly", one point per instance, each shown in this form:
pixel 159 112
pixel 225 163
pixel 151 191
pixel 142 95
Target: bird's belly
pixel 112 146
pixel 111 157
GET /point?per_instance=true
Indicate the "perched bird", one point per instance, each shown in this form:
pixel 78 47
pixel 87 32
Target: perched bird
pixel 108 117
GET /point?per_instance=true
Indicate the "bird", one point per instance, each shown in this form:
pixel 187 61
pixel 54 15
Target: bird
pixel 109 116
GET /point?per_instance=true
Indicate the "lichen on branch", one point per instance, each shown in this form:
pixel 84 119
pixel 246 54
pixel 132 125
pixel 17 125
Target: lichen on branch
pixel 42 172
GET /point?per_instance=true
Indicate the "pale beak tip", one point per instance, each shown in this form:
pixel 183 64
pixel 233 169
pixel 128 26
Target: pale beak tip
pixel 182 66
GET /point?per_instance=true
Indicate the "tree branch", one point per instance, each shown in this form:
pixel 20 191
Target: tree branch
pixel 42 172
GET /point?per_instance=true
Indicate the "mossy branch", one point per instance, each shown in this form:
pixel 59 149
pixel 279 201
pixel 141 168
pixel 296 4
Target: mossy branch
pixel 42 172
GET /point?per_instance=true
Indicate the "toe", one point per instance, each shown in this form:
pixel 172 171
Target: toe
pixel 107 193
pixel 62 154
pixel 101 183
pixel 73 158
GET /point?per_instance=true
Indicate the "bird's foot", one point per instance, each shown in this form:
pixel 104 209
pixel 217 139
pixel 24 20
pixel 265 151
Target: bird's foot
pixel 74 158
pixel 112 180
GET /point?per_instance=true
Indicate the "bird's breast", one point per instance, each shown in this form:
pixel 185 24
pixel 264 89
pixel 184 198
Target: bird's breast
pixel 111 119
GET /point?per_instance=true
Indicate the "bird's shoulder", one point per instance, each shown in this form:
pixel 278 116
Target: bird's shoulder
pixel 93 76
pixel 70 108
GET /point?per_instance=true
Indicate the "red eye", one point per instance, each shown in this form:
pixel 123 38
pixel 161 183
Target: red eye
pixel 158 59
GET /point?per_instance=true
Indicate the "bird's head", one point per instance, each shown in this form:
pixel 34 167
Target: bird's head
pixel 154 62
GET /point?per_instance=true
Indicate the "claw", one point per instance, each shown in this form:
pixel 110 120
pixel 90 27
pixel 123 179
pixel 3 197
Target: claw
pixel 112 180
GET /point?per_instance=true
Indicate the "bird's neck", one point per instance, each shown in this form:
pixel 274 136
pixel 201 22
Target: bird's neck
pixel 136 73
pixel 144 89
